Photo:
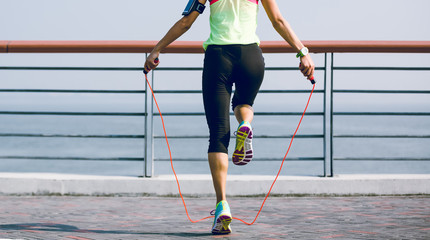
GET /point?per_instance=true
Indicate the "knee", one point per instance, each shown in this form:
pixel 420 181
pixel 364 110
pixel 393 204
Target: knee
pixel 219 143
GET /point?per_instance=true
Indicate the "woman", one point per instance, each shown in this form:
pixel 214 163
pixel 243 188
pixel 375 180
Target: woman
pixel 232 56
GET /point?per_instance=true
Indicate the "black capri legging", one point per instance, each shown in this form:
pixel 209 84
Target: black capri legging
pixel 224 65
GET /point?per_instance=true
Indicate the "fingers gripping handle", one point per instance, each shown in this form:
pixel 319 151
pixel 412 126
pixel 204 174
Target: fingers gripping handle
pixel 312 78
pixel 146 72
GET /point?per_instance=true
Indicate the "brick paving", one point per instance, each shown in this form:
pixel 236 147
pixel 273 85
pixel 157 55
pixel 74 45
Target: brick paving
pixel 83 218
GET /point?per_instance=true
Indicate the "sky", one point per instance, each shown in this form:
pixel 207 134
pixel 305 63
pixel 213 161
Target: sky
pixel 149 20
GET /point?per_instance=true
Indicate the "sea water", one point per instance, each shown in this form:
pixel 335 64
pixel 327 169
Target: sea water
pixel 196 148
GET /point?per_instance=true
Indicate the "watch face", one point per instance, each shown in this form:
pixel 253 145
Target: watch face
pixel 305 51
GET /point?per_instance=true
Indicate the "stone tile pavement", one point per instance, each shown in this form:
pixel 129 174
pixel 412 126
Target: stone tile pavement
pixel 82 218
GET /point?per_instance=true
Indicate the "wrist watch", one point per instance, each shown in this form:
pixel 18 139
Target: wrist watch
pixel 303 52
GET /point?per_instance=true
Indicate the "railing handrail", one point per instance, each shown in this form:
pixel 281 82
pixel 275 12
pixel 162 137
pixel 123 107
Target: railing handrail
pixel 19 46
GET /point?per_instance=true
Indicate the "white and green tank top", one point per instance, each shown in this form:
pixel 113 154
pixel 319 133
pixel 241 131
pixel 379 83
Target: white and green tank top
pixel 233 22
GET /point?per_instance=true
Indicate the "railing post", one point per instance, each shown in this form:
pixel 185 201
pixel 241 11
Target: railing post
pixel 149 134
pixel 328 117
pixel 324 118
pixel 331 114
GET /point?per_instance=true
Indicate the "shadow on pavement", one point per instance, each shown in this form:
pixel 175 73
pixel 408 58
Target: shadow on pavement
pixel 53 227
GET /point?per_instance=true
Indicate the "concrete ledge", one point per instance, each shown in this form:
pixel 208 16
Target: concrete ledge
pixel 201 185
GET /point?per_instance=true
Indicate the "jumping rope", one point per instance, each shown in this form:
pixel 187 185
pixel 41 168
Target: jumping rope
pixel 176 177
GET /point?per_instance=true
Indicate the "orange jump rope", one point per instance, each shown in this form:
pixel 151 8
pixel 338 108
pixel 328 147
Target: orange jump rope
pixel 274 181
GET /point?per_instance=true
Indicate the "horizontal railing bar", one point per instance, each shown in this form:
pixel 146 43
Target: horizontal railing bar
pixel 288 68
pixel 74 68
pixel 380 136
pixel 179 69
pixel 379 159
pixel 261 91
pixel 19 46
pixel 142 91
pixel 254 159
pixel 177 91
pixel 382 113
pixel 384 68
pixel 71 91
pixel 202 159
pixel 287 113
pixel 255 136
pixel 72 158
pixel 231 114
pixel 143 136
pixel 131 68
pixel 290 91
pixel 68 135
pixel 383 91
pixel 155 114
pixel 72 113
pixel 200 91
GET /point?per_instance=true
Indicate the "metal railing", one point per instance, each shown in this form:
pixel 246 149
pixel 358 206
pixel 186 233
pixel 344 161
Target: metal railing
pixel 328 48
pixel 369 114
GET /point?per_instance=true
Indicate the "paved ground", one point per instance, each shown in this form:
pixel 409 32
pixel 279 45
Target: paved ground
pixel 81 218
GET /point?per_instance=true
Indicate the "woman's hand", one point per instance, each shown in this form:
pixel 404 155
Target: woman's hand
pixel 307 66
pixel 151 62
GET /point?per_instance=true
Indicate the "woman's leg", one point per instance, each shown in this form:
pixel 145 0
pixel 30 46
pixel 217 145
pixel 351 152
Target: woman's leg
pixel 244 112
pixel 248 79
pixel 218 163
pixel 217 89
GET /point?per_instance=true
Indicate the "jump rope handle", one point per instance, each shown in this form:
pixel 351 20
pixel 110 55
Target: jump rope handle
pixel 312 79
pixel 146 72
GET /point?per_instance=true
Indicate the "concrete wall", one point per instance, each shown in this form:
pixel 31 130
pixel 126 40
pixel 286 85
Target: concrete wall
pixel 201 185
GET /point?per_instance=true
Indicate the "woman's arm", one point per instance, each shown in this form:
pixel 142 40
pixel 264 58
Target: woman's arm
pixel 284 29
pixel 177 30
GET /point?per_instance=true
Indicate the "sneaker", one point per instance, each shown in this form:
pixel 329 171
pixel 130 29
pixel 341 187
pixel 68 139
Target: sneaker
pixel 243 151
pixel 222 218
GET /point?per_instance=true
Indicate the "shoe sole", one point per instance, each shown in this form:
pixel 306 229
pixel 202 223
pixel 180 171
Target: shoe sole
pixel 225 220
pixel 242 156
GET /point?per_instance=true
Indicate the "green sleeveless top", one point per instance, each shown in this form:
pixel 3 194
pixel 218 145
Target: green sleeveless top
pixel 233 22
